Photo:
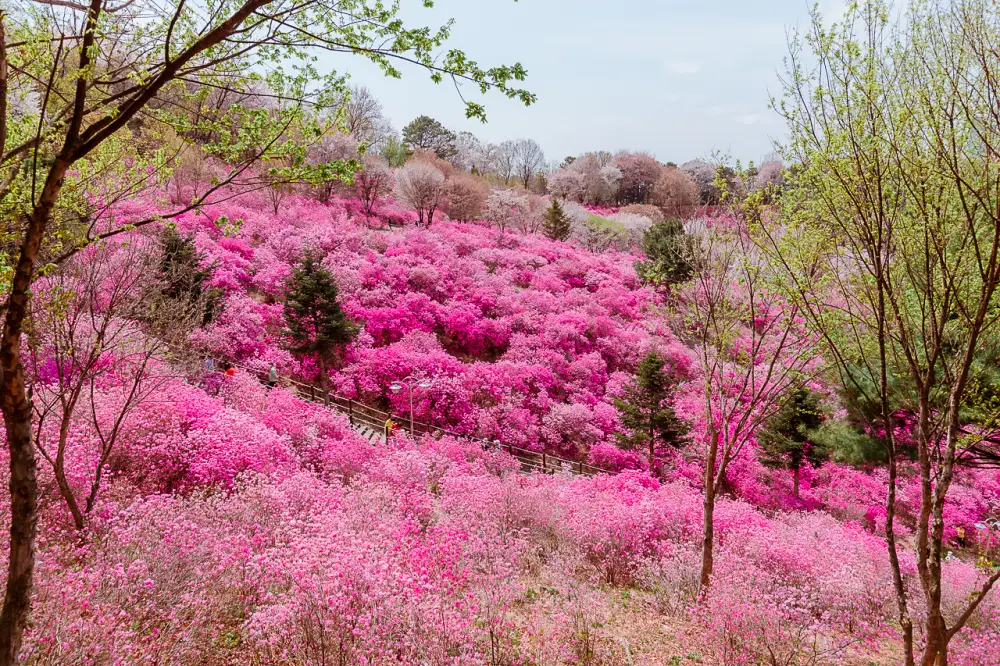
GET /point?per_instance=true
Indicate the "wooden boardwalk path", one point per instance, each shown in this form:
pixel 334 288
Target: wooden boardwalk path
pixel 369 422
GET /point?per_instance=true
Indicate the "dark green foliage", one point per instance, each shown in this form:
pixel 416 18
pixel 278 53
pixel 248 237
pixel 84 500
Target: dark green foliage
pixel 428 134
pixel 557 224
pixel 645 409
pixel 859 441
pixel 787 439
pixel 316 322
pixel 668 255
pixel 846 444
pixel 182 275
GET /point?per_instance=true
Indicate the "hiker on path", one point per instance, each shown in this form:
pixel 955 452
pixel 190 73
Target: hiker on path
pixel 272 376
pixel 389 427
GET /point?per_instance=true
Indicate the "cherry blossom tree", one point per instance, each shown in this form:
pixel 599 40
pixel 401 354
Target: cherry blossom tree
pixel 639 174
pixel 422 187
pixel 675 193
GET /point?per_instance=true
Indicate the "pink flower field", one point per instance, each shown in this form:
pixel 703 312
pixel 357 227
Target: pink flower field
pixel 293 373
pixel 241 525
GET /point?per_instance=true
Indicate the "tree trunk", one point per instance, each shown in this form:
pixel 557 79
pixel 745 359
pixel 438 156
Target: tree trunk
pixel 59 470
pixel 23 518
pixel 69 497
pixel 17 422
pixel 795 481
pixel 652 445
pixel 928 542
pixel 890 538
pixel 708 536
pixel 324 379
pixel 936 647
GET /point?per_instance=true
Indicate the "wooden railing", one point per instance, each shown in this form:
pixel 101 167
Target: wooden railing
pixel 358 412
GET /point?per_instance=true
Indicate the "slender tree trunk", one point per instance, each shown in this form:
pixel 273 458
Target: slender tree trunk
pixel 324 378
pixel 59 470
pixel 897 577
pixel 708 536
pixel 795 481
pixel 17 421
pixel 652 445
pixel 928 545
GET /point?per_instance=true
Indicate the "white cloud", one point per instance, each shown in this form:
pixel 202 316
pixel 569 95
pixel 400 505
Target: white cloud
pixel 748 119
pixel 684 66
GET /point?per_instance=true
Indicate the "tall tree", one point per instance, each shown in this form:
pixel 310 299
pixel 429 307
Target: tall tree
pixel 317 324
pixel 528 158
pixel 505 161
pixel 182 277
pixel 669 253
pixel 557 224
pixel 425 133
pixel 373 182
pixel 365 120
pixel 788 439
pixel 752 349
pixel 640 172
pixel 645 409
pixel 891 244
pixel 100 71
pixel 84 339
pixel 423 188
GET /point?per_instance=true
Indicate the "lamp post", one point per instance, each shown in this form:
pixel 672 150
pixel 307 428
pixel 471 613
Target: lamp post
pixel 411 382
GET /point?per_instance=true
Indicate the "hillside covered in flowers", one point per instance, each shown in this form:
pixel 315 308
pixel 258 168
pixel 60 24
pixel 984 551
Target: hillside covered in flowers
pixel 229 522
pixel 282 386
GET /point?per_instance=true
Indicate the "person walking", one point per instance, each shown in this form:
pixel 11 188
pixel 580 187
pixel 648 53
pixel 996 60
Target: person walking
pixel 272 376
pixel 389 427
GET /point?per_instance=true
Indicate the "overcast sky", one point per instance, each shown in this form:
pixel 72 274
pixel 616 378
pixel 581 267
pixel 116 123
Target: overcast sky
pixel 679 79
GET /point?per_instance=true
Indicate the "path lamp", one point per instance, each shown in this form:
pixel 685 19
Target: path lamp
pixel 411 382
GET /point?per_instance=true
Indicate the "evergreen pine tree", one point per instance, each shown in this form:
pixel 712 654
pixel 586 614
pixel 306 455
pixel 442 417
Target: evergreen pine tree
pixel 644 409
pixel 787 440
pixel 183 275
pixel 557 224
pixel 316 322
pixel 668 254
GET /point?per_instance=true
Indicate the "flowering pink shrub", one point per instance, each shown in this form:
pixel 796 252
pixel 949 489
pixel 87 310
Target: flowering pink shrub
pixel 519 332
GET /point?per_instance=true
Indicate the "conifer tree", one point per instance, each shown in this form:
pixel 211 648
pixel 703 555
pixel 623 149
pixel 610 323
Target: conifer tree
pixel 644 409
pixel 182 278
pixel 787 440
pixel 668 255
pixel 316 322
pixel 557 224
pixel 180 268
